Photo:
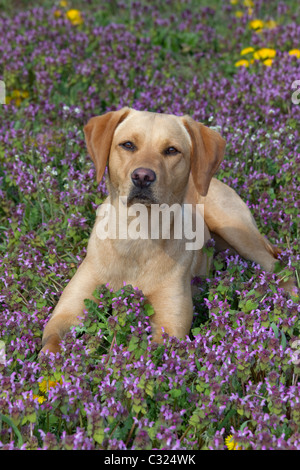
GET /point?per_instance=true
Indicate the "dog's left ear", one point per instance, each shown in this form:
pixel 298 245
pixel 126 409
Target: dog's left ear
pixel 99 133
pixel 208 149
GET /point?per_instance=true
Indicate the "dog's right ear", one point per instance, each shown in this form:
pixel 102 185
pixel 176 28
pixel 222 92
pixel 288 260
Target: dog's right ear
pixel 208 149
pixel 99 133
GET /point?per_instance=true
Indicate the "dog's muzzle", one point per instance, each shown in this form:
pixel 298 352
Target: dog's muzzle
pixel 143 196
pixel 142 179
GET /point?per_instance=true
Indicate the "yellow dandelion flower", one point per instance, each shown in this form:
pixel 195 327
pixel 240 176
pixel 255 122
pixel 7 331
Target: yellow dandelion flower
pixel 247 50
pixel 39 398
pixel 268 62
pixel 18 96
pixel 271 24
pixel 45 385
pixel 52 383
pixel 15 94
pixel 248 3
pixel 264 53
pixel 250 11
pixel 295 52
pixel 257 25
pixel 234 2
pixel 74 16
pixel 242 63
pixel 239 14
pixel 63 3
pixel 271 53
pixel 231 444
pixel 57 13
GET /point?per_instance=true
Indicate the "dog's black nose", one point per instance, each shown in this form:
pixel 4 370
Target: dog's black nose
pixel 143 177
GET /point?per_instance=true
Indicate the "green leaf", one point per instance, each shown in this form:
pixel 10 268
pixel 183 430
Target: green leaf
pixel 133 343
pixel 8 421
pixel 195 332
pixel 98 436
pixel 149 390
pixel 278 267
pixel 198 365
pixel 136 408
pixel 283 340
pixel 227 418
pixel 93 328
pixel 245 424
pixel 121 320
pixel 250 305
pixel 175 392
pixel 31 418
pixel 149 310
pixel 275 329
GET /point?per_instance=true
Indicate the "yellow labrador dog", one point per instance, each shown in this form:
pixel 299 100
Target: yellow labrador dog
pixel 156 159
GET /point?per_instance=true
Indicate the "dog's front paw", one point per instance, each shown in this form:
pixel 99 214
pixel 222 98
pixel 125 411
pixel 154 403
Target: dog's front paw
pixel 51 344
pixel 290 287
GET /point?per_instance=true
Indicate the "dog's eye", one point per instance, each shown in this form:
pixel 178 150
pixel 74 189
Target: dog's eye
pixel 128 145
pixel 171 151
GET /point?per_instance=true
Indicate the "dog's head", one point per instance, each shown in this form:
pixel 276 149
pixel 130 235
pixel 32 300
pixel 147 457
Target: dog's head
pixel 150 155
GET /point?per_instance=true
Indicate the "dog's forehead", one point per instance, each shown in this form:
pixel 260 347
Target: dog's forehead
pixel 154 125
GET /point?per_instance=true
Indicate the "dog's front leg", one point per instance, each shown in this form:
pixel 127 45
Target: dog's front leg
pixel 173 309
pixel 70 306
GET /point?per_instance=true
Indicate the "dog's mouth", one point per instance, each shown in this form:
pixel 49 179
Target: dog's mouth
pixel 141 196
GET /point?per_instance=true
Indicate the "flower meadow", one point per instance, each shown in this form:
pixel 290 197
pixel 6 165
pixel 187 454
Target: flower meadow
pixel 233 384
